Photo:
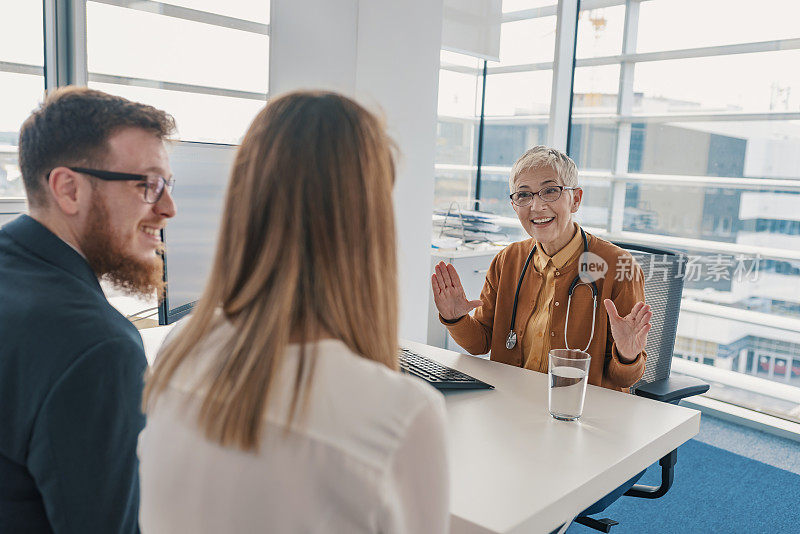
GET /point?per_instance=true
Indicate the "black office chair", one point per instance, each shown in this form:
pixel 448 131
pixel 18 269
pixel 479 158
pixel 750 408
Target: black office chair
pixel 663 274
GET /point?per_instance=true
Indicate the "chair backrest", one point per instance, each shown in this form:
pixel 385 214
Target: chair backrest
pixel 663 287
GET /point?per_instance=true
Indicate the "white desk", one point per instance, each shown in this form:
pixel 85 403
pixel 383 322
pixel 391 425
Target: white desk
pixel 505 449
pixel 152 338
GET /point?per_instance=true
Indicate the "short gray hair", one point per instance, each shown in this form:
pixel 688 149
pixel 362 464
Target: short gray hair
pixel 544 156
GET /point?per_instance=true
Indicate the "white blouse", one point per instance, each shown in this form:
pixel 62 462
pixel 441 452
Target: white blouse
pixel 368 456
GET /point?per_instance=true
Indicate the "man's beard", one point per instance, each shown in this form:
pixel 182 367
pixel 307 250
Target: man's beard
pixel 107 257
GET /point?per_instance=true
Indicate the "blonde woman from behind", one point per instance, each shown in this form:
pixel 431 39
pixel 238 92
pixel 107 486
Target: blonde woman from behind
pixel 278 407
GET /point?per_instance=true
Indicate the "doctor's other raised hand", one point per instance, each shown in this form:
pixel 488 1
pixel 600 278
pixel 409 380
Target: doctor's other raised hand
pixel 448 294
pixel 629 332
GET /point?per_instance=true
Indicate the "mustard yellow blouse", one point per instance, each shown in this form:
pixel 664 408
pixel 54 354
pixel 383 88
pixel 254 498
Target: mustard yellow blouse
pixel 535 341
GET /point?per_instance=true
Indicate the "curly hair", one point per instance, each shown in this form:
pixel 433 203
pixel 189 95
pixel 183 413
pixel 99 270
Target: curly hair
pixel 72 127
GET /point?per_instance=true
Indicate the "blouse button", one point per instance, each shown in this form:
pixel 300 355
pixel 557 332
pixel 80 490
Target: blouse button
pixel 558 273
pixel 552 334
pixel 556 303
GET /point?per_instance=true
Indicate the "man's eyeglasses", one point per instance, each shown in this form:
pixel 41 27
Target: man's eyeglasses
pixel 154 184
pixel 551 193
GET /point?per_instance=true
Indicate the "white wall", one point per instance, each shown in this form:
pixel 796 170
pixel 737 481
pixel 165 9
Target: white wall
pixel 313 45
pixel 386 54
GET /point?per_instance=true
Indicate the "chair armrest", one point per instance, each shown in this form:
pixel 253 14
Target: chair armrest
pixel 672 389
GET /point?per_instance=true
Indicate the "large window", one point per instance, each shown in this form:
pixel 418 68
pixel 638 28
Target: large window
pixel 203 61
pixel 707 155
pixel 685 125
pixel 22 82
pixel 456 132
pixel 207 68
pixel 517 105
pixel 516 108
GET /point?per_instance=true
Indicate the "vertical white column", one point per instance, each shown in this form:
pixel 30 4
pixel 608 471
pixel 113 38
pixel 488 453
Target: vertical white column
pixel 561 95
pixel 65 43
pixel 616 210
pixel 313 45
pixel 742 367
pixel 398 70
pixel 386 54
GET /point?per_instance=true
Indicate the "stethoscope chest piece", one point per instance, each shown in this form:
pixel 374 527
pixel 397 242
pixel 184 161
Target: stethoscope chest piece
pixel 511 340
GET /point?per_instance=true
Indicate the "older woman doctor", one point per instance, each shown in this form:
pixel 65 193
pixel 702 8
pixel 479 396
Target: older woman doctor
pixel 534 300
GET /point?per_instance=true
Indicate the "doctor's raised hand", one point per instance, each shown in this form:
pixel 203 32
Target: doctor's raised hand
pixel 629 332
pixel 448 294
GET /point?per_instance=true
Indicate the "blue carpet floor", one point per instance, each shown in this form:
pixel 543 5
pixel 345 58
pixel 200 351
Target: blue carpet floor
pixel 715 491
pixel 773 450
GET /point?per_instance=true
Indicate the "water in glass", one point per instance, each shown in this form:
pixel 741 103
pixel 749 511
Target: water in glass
pixel 568 371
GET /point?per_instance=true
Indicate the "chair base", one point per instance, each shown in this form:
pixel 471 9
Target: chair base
pixel 602 525
pixel 667 464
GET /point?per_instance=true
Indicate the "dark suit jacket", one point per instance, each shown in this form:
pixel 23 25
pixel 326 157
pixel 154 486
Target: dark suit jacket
pixel 71 370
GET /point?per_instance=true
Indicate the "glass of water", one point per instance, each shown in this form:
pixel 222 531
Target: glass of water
pixel 568 372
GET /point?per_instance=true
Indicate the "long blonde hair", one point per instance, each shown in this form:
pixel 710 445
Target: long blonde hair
pixel 306 246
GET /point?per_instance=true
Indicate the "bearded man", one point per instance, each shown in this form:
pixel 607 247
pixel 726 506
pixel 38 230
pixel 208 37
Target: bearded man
pixel 98 183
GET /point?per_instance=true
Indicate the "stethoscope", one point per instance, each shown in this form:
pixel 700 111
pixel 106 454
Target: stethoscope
pixel 511 340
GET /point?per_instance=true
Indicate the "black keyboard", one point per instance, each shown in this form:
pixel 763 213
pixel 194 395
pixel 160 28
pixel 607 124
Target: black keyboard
pixel 436 374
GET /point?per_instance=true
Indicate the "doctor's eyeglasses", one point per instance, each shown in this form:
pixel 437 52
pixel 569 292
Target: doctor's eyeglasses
pixel 153 184
pixel 551 193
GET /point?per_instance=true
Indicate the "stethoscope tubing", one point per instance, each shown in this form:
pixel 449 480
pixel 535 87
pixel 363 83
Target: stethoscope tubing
pixel 511 339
